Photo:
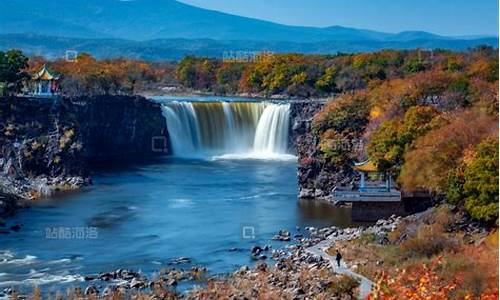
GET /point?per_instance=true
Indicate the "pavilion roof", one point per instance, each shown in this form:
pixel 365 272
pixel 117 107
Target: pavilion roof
pixel 366 166
pixel 45 74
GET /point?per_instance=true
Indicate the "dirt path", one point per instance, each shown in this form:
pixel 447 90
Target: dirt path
pixel 320 250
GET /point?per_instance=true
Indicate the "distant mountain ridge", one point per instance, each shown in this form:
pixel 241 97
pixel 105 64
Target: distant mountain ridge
pixel 168 29
pixel 165 19
pixel 174 49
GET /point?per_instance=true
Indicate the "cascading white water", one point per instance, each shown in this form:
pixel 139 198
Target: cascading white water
pixel 181 122
pixel 271 134
pixel 228 129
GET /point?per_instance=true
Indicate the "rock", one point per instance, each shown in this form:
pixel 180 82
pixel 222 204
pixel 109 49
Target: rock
pixel 136 283
pixel 283 235
pixel 243 270
pixel 256 250
pixel 306 193
pixel 91 290
pixel 468 239
pixel 319 193
pixel 105 276
pixel 171 282
pixel 109 290
pixel 88 278
pixel 181 260
pixel 261 267
pixel 259 256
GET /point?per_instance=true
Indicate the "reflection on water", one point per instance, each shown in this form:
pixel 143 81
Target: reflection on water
pixel 326 213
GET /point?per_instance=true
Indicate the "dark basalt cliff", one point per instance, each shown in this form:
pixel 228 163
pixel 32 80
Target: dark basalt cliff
pixel 316 177
pixel 47 144
pixel 120 127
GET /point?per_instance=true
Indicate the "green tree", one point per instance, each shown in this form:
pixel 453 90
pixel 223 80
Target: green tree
pixel 414 65
pixel 186 71
pixel 326 82
pixel 12 74
pixel 481 182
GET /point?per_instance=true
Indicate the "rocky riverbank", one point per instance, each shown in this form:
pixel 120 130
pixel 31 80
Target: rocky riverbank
pixel 288 272
pixel 46 144
pixel 303 268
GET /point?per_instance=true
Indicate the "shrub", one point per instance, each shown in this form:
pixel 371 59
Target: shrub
pixel 430 240
pixel 345 285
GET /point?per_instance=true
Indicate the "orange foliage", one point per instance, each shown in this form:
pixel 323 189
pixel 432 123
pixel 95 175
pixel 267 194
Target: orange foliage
pixel 423 283
pixel 435 154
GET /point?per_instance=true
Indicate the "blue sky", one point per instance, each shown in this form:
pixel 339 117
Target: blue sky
pixel 447 17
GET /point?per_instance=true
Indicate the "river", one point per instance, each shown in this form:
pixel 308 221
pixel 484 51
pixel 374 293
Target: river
pixel 210 202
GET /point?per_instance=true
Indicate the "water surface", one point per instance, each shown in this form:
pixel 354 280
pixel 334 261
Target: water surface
pixel 148 215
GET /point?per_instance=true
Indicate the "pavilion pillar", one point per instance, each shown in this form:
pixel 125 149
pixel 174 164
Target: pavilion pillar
pixel 388 181
pixel 362 183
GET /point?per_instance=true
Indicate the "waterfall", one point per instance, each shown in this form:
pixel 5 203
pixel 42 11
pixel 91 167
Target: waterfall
pixel 228 129
pixel 271 135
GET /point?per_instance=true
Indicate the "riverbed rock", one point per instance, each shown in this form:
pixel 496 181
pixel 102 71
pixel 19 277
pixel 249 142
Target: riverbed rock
pixel 91 290
pixel 283 235
pixel 136 283
pixel 109 290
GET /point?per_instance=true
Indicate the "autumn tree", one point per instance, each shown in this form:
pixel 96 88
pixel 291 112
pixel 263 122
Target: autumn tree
pixel 436 154
pixel 393 138
pixel 474 183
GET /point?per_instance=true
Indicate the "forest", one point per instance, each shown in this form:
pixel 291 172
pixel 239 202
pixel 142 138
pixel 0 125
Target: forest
pixel 430 118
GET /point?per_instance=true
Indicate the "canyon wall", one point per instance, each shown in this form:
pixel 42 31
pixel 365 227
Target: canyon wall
pixel 316 177
pixel 47 144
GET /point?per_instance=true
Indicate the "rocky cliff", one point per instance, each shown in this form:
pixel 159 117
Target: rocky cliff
pixel 120 127
pixel 46 144
pixel 316 176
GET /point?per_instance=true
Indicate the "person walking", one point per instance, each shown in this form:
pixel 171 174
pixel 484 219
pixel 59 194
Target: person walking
pixel 338 257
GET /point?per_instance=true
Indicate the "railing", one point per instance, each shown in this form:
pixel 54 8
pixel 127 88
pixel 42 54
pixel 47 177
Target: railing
pixel 366 196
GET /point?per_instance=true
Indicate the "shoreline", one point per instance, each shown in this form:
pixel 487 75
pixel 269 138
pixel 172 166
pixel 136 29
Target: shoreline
pixel 296 252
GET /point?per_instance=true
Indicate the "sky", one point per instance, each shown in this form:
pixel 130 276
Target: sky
pixel 446 17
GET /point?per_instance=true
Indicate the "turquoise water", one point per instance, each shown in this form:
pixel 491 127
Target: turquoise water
pixel 147 215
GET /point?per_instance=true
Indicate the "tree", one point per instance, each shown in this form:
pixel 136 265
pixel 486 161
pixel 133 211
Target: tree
pixel 393 138
pixel 340 125
pixel 475 182
pixel 326 82
pixel 435 155
pixel 228 76
pixel 12 74
pixel 186 72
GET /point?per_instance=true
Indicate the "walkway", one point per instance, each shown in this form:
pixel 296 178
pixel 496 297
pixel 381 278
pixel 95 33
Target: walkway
pixel 320 250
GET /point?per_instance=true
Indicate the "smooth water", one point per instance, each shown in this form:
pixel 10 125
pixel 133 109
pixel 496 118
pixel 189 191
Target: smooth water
pixel 148 215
